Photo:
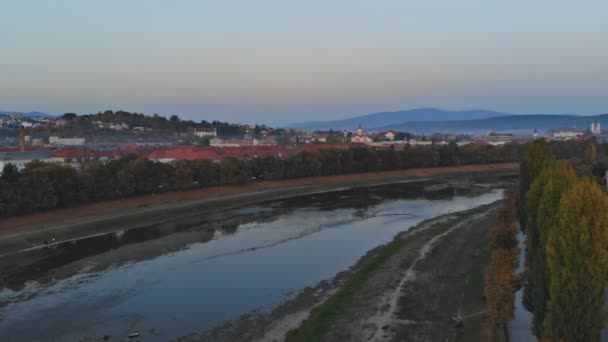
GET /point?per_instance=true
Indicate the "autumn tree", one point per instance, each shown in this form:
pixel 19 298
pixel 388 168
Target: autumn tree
pixel 499 288
pixel 590 153
pixel 577 259
pixel 537 154
pixel 542 202
pixel 499 277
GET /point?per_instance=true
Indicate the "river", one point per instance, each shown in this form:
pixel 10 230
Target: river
pixel 193 274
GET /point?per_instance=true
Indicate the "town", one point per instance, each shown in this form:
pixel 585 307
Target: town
pixel 74 140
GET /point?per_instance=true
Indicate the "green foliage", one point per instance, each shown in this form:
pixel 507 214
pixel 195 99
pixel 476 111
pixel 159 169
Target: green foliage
pixel 577 259
pixel 536 156
pixel 42 186
pixel 591 153
pixel 542 203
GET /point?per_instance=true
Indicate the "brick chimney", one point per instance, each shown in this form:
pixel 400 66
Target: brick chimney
pixel 21 139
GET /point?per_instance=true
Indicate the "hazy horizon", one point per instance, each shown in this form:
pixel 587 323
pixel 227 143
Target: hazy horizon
pixel 276 63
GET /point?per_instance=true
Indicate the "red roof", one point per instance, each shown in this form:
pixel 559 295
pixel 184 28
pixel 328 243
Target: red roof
pixel 27 149
pixel 185 153
pixel 318 147
pixel 87 153
pixel 255 151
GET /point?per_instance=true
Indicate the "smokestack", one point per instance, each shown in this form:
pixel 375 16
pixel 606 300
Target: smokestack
pixel 21 139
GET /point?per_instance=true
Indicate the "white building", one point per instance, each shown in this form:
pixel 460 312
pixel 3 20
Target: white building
pixel 497 138
pixel 57 141
pixel 595 128
pixel 360 137
pixel 567 134
pixel 390 135
pixel 20 159
pixel 206 133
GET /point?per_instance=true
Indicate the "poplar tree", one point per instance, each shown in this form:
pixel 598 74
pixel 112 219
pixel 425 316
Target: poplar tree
pixel 577 259
pixel 536 156
pixel 591 153
pixel 542 205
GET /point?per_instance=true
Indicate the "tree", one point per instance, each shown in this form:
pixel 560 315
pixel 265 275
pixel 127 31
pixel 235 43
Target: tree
pixel 228 171
pixel 184 175
pixel 499 289
pixel 536 156
pixel 578 260
pixel 10 173
pixel 542 204
pixel 590 153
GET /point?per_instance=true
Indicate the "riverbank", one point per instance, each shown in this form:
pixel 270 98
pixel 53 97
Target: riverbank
pixel 410 287
pixel 32 231
pixel 425 285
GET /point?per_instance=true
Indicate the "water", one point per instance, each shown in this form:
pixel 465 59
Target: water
pixel 520 328
pixel 173 279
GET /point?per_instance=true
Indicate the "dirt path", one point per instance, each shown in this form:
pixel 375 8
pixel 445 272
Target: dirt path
pixel 387 318
pixel 436 275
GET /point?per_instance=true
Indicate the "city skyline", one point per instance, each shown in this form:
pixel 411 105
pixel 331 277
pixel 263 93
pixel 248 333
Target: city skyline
pixel 277 63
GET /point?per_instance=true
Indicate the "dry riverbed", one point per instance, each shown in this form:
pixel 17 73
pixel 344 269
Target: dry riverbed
pixel 408 290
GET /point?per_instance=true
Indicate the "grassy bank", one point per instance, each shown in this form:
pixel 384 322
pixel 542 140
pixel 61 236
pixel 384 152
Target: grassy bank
pixel 321 318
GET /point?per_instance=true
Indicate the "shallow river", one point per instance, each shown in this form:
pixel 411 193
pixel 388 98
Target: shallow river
pixel 194 273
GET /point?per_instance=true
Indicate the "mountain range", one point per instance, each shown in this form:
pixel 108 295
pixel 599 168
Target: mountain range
pixel 434 120
pixel 29 114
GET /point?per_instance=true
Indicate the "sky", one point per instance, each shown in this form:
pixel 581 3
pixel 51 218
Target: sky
pixel 280 61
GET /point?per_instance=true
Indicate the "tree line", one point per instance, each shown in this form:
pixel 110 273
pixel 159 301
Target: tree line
pixel 42 186
pixel 565 217
pixel 500 280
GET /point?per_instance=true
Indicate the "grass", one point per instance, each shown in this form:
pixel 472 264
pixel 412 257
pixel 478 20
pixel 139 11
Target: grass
pixel 322 317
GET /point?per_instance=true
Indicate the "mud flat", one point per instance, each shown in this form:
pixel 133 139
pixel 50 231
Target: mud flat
pixel 251 273
pixel 413 289
pixel 407 290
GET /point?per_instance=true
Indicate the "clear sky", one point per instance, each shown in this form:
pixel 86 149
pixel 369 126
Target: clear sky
pixel 283 61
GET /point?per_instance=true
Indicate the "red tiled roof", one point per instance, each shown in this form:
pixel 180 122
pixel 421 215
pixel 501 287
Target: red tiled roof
pixel 185 153
pixel 255 151
pixel 318 147
pixel 87 153
pixel 27 149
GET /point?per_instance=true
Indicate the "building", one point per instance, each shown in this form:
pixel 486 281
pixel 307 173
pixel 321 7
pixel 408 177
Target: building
pixel 595 128
pixel 167 155
pixel 20 159
pixel 360 137
pixel 78 156
pixel 57 141
pixel 212 132
pixel 153 142
pixel 497 138
pixel 390 135
pixel 567 134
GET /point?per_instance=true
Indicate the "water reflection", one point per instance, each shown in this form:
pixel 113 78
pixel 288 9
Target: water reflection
pixel 198 271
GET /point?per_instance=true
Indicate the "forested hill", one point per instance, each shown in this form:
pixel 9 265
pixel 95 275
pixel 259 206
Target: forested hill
pixel 377 120
pixel 158 125
pixel 433 120
pixel 507 123
pixel 154 121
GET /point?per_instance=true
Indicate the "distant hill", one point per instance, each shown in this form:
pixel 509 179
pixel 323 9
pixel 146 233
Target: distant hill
pixel 506 123
pixel 30 114
pixel 371 122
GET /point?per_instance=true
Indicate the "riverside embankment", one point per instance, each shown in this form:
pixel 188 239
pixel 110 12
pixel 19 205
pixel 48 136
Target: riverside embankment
pixel 32 231
pixel 245 267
